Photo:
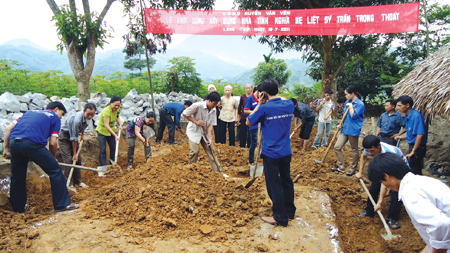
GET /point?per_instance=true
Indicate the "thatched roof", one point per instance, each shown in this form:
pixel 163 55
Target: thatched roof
pixel 429 85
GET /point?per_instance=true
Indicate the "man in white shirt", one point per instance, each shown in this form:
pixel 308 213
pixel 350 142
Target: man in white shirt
pixel 202 119
pixel 426 199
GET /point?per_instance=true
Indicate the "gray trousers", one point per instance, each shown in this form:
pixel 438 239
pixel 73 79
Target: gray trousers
pixel 66 151
pixel 342 139
pixel 131 144
pixel 195 149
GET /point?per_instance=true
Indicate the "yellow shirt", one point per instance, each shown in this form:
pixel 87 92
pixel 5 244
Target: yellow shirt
pixel 113 117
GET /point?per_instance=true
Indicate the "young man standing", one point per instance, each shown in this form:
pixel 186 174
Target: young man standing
pixel 74 125
pixel 165 119
pixel 250 105
pixel 325 106
pixel 426 199
pixel 390 123
pixel 306 114
pixel 244 134
pixel 275 116
pixel 25 140
pixel 202 119
pixel 416 133
pixel 372 147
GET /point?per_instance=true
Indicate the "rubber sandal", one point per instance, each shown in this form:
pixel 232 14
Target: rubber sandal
pixel 393 224
pixel 72 206
pixel 350 173
pixel 338 170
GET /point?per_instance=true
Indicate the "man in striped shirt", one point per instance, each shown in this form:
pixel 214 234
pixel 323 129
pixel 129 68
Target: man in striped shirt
pixel 373 146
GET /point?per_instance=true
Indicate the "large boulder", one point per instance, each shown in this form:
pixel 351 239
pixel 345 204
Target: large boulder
pixel 9 102
pixel 3 124
pixel 23 99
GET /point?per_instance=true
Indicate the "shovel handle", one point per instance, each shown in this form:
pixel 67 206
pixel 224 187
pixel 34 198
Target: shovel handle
pixel 73 163
pixel 117 148
pixel 334 137
pixel 258 152
pixel 389 233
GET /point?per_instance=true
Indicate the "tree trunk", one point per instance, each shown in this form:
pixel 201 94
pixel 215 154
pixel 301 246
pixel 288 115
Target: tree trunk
pixel 327 47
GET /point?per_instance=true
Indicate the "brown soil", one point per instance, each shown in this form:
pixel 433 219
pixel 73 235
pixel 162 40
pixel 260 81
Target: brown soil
pixel 165 204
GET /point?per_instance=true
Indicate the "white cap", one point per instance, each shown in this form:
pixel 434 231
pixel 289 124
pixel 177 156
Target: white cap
pixel 211 86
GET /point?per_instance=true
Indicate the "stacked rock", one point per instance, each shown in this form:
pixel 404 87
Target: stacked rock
pixel 13 107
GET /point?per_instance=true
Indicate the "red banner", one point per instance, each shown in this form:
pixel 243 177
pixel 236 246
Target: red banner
pixel 398 18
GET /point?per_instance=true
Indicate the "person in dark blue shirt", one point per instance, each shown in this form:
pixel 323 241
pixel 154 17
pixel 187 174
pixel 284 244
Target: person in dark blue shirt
pixel 275 116
pixel 165 119
pixel 351 129
pixel 308 117
pixel 416 133
pixel 390 123
pixel 25 140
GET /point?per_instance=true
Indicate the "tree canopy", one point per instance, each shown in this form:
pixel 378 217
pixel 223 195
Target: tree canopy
pixel 327 54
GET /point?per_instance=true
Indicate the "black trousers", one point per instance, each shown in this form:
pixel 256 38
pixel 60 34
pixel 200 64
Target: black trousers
pixel 165 119
pixel 244 134
pixel 416 161
pixel 102 140
pixel 280 188
pixel 394 208
pixel 223 132
pixel 387 139
pixel 22 151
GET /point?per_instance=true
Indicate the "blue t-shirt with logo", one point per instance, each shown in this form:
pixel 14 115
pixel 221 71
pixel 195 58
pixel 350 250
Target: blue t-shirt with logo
pixel 353 123
pixel 251 104
pixel 275 117
pixel 37 126
pixel 415 124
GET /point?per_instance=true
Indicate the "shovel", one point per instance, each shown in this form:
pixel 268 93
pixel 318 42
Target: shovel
pixel 258 154
pixel 122 120
pixel 100 169
pixel 148 133
pixel 292 134
pixel 71 169
pixel 216 161
pixel 389 235
pixel 329 144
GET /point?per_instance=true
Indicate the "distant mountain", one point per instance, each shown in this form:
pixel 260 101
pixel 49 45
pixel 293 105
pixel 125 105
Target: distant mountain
pixel 229 58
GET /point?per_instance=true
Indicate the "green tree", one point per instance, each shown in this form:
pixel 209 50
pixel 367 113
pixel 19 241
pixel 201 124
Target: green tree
pixel 327 54
pixel 182 75
pixel 417 46
pixel 134 59
pixel 375 71
pixel 271 68
pixel 80 35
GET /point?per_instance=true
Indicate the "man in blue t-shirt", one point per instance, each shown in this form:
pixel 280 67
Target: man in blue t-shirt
pixel 250 105
pixel 275 116
pixel 165 119
pixel 390 123
pixel 25 140
pixel 416 133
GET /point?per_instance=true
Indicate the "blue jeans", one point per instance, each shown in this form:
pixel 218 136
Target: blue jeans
pixel 253 144
pixel 320 129
pixel 24 150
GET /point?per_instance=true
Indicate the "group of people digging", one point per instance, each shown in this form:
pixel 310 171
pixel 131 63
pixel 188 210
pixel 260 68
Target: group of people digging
pixel 426 200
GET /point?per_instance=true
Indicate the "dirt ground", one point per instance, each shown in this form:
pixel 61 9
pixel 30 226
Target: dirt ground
pixel 166 205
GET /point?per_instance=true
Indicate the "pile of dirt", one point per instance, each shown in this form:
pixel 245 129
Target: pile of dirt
pixel 167 198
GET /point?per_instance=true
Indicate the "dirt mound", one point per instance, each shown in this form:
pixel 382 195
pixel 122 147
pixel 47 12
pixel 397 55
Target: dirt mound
pixel 167 198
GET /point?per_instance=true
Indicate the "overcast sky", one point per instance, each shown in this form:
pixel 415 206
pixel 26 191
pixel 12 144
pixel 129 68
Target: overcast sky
pixel 31 19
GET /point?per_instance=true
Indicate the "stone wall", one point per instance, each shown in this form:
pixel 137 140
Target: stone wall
pixel 13 107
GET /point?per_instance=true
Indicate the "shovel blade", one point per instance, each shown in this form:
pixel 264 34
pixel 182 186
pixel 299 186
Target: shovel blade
pixel 250 182
pixel 318 161
pixel 388 237
pixel 101 170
